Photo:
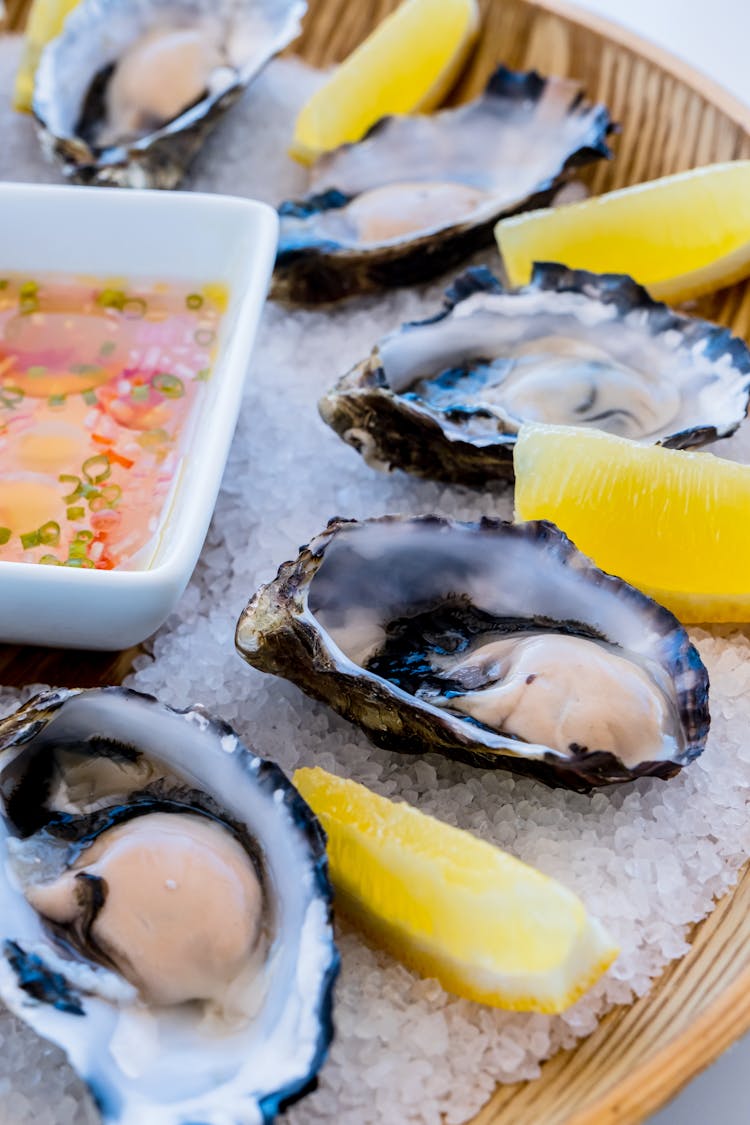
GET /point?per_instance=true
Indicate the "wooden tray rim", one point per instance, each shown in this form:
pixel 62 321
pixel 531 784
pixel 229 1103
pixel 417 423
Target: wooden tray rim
pixel 685 72
pixel 657 1080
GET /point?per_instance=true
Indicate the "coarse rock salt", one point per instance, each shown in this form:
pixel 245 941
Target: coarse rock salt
pixel 649 858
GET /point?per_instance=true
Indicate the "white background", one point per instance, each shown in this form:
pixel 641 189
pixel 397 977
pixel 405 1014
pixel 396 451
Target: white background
pixel 714 36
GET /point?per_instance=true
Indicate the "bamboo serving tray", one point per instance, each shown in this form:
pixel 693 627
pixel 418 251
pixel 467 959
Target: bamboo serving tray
pixel 672 118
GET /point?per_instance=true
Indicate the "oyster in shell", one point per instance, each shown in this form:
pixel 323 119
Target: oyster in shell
pixel 496 643
pixel 166 909
pixel 419 193
pixel 445 397
pixel 126 95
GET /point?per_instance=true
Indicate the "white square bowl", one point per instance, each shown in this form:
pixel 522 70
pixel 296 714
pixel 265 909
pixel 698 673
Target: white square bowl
pixel 168 236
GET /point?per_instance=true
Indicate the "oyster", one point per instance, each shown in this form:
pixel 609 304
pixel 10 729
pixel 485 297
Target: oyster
pixel 420 193
pixel 445 397
pixel 128 92
pixel 166 909
pixel 496 643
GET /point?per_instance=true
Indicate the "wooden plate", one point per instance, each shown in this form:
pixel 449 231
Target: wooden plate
pixel 672 118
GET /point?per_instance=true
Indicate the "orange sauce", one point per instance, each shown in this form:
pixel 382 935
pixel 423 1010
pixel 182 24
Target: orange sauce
pixel 98 384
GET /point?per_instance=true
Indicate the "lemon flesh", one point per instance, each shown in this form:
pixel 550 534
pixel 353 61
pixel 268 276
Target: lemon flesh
pixel 680 236
pixel 489 927
pixel 45 22
pixel 408 63
pixel 675 524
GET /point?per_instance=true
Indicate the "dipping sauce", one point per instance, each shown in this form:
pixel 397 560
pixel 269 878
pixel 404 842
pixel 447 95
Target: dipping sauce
pixel 100 382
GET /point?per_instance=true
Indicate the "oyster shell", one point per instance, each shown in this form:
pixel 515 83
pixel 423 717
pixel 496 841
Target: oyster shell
pixel 166 909
pixel 420 193
pixel 126 95
pixel 444 398
pixel 499 644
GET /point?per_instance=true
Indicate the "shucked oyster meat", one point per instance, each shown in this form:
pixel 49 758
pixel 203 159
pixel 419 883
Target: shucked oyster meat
pixel 183 872
pixel 445 397
pixel 419 193
pixel 130 89
pixel 165 907
pixel 495 643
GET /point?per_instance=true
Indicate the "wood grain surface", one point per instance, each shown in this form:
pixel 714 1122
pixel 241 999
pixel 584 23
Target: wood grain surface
pixel 672 118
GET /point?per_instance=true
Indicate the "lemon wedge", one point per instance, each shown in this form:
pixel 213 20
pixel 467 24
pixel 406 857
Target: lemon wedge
pixel 407 64
pixel 44 23
pixel 489 927
pixel 675 524
pixel 680 236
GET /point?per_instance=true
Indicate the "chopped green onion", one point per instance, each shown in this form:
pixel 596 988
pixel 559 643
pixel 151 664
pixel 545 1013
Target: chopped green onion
pixel 66 478
pixel 107 347
pixel 31 539
pixel 169 385
pixel 204 337
pixel 84 536
pixel 50 560
pixel 49 533
pixel 96 468
pixel 81 562
pixel 140 393
pixel 134 308
pixel 89 398
pixel 56 401
pixel 37 370
pixel 111 298
pixel 28 299
pixel 5 534
pixel 111 493
pixel 76 513
pixel 153 439
pixel 204 374
pixel 194 300
pixel 84 369
pixel 11 396
pixel 77 550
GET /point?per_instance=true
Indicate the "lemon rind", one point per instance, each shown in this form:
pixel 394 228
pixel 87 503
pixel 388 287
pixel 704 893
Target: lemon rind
pixel 372 868
pixel 723 271
pixel 691 607
pixel 307 151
